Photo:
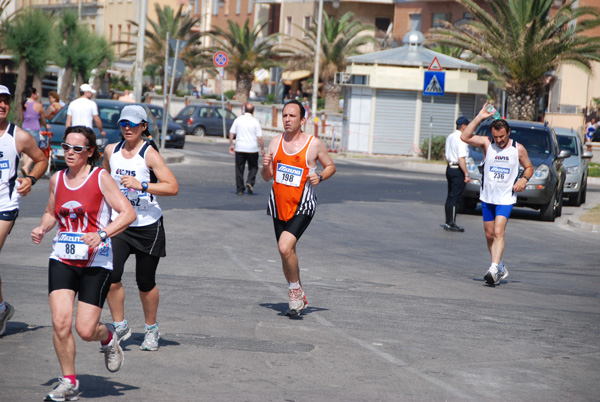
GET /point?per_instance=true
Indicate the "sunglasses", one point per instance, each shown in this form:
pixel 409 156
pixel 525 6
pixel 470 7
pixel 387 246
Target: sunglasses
pixel 76 148
pixel 126 123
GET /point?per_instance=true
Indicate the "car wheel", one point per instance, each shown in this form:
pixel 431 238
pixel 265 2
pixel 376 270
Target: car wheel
pixel 548 211
pixel 559 205
pixel 575 199
pixel 199 131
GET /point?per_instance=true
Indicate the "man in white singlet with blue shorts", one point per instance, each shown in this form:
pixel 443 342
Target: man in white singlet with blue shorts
pixel 14 142
pixel 499 184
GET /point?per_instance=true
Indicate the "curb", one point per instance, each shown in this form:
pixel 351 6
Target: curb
pixel 171 156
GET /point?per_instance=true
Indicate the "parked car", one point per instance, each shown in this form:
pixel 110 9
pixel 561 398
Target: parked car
pixel 175 132
pixel 575 187
pixel 545 189
pixel 109 112
pixel 204 120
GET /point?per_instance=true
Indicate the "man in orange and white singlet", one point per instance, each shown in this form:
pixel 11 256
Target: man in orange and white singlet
pixel 291 161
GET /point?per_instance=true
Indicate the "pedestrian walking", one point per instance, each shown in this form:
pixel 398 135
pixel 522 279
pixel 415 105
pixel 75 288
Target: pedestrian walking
pixel 457 174
pixel 499 184
pixel 142 174
pixel 80 201
pixel 291 161
pixel 14 142
pixel 32 116
pixel 248 138
pixel 83 111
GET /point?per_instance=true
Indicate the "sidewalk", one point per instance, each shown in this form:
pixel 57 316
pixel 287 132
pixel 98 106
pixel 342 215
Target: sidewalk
pixel 414 164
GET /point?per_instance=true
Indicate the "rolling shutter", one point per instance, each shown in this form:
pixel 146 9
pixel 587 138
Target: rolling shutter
pixel 393 131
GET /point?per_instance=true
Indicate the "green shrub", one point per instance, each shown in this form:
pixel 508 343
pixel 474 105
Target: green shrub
pixel 229 94
pixel 438 148
pixel 594 170
pixel 320 103
pixel 270 99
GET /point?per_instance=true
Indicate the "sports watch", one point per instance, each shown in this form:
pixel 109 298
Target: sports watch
pixel 144 186
pixel 103 235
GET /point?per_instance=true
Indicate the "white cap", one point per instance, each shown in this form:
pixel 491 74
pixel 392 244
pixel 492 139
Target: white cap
pixel 4 90
pixel 87 88
pixel 134 114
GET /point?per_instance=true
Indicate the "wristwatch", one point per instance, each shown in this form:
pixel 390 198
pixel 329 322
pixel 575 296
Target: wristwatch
pixel 526 178
pixel 103 235
pixel 320 178
pixel 144 186
pixel 33 179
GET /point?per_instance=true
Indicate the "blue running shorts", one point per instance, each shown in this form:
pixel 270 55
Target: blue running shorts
pixel 490 211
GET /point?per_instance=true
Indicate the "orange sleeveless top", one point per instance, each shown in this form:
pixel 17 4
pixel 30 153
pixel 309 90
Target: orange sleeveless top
pixel 292 194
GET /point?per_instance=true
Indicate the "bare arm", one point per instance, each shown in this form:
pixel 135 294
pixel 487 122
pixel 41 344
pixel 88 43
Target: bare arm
pixel 462 163
pixel 68 121
pixel 526 163
pixel 267 170
pixel 167 183
pixel 108 150
pixel 27 145
pixel 481 141
pixel 325 160
pixel 261 142
pixel 98 122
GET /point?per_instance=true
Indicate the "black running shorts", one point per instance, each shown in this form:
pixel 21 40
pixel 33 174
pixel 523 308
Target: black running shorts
pixel 90 283
pixel 296 226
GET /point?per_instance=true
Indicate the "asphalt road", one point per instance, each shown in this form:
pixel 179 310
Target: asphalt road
pixel 398 310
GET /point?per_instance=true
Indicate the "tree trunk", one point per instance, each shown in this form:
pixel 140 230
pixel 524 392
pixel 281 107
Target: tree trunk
pixel 67 85
pixel 21 81
pixel 332 96
pixel 78 82
pixel 101 72
pixel 244 84
pixel 37 84
pixel 521 106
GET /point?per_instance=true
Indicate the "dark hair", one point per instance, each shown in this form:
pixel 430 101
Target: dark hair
pixel 499 125
pixel 26 94
pixel 91 141
pixel 54 94
pixel 295 102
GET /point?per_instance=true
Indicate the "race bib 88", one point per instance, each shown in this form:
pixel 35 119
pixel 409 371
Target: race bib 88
pixel 69 246
pixel 288 175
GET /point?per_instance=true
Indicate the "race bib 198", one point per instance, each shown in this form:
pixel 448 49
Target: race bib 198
pixel 499 174
pixel 4 171
pixel 69 246
pixel 288 175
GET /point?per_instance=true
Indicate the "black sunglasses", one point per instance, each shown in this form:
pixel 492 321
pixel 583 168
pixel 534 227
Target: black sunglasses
pixel 76 148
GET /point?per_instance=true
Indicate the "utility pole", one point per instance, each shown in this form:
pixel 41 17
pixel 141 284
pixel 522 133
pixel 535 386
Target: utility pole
pixel 139 54
pixel 317 57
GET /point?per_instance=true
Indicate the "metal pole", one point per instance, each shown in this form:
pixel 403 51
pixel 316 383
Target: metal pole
pixel 222 75
pixel 139 53
pixel 317 57
pixel 166 116
pixel 430 130
pixel 165 100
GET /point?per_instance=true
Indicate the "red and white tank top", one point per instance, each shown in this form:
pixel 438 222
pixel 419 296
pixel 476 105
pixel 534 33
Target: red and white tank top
pixel 81 210
pixel 292 194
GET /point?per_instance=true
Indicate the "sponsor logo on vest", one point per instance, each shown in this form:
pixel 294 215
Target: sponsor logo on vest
pixel 1 154
pixel 3 164
pixel 502 158
pixel 125 172
pixel 289 169
pixel 497 169
pixel 70 238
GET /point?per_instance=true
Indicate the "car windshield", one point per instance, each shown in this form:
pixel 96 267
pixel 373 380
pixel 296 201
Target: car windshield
pixel 567 143
pixel 534 140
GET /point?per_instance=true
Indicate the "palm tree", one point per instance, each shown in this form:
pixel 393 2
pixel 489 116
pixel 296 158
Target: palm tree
pixel 341 38
pixel 64 43
pixel 247 52
pixel 26 37
pixel 519 42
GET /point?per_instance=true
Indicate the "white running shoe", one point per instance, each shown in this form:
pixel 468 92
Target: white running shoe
pixel 65 391
pixel 151 339
pixel 502 273
pixel 297 301
pixel 5 316
pixel 491 277
pixel 113 354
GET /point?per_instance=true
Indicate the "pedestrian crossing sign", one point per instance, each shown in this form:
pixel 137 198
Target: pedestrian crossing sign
pixel 434 83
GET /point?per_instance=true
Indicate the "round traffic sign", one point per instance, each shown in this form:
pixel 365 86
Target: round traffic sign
pixel 220 59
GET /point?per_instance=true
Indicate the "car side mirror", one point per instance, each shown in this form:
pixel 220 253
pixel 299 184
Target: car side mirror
pixel 587 155
pixel 564 154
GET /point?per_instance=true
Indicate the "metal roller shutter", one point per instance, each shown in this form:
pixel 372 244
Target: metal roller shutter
pixel 393 129
pixel 466 106
pixel 444 122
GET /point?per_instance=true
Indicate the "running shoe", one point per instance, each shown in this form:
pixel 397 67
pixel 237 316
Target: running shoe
pixel 151 339
pixel 491 277
pixel 502 273
pixel 5 316
pixel 453 227
pixel 65 391
pixel 123 331
pixel 297 301
pixel 113 354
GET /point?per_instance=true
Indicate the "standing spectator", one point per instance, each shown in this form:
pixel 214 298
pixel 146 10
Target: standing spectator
pixel 83 111
pixel 457 174
pixel 141 173
pixel 126 97
pixel 80 201
pixel 55 104
pixel 589 130
pixel 298 96
pixel 13 143
pixel 32 116
pixel 247 131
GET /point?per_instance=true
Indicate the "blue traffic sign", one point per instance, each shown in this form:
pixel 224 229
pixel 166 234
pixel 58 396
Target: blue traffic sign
pixel 434 84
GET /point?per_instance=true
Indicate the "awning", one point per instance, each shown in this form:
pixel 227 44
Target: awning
pixel 295 75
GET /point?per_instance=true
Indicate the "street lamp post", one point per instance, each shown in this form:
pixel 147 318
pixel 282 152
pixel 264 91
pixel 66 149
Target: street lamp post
pixel 317 57
pixel 139 53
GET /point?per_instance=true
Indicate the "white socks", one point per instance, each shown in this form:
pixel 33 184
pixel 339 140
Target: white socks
pixel 295 285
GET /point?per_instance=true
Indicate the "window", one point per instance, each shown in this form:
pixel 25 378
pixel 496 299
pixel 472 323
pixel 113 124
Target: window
pixel 238 6
pixel 119 38
pixel 415 22
pixel 250 2
pixel 306 26
pixel 381 25
pixel 110 33
pixel 128 36
pixel 438 18
pixel 288 25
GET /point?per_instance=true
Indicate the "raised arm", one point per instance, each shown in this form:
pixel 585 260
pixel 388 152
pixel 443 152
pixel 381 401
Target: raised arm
pixel 468 136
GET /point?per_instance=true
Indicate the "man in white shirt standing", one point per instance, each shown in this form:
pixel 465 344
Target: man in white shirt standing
pixel 457 174
pixel 248 137
pixel 83 111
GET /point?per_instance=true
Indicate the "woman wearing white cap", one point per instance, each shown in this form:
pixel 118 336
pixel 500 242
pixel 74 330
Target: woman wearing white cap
pixel 142 174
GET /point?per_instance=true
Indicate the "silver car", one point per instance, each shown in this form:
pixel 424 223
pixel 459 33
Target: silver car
pixel 575 187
